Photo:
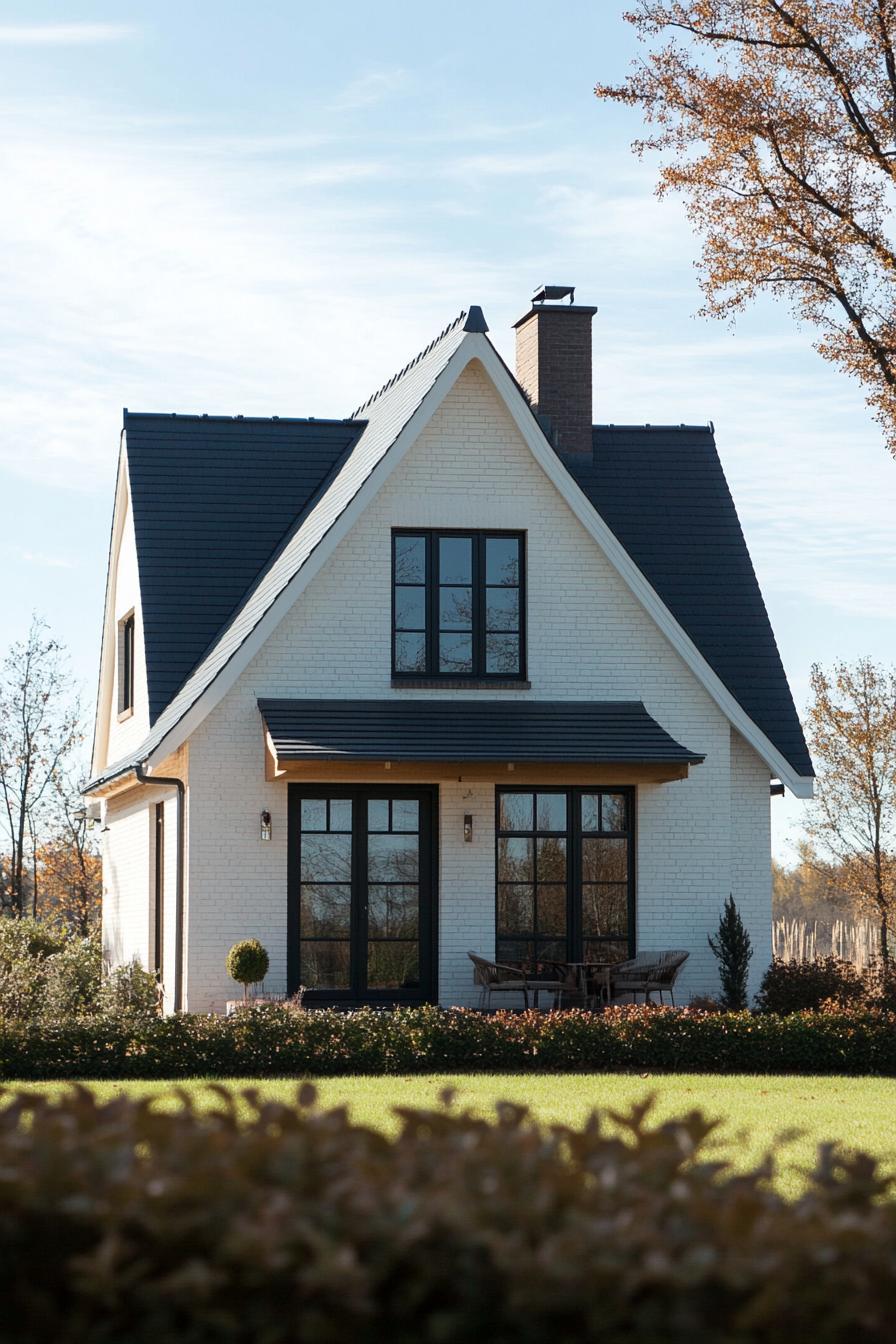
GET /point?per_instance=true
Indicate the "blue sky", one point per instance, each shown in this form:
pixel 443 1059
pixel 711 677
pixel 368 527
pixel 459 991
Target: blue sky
pixel 266 209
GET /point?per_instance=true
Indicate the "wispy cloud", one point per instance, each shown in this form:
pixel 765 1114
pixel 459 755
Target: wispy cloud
pixel 370 89
pixel 63 34
pixel 45 561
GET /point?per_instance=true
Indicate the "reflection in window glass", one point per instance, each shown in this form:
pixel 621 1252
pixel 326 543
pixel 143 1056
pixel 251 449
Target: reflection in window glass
pixel 455 560
pixel 410 559
pixel 502 560
pixel 314 814
pixel 551 811
pixel 515 811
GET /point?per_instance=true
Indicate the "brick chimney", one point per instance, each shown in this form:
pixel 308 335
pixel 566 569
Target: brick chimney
pixel 553 366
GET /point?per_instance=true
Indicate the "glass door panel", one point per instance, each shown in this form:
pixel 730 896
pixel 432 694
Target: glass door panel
pixel 393 894
pixel 360 906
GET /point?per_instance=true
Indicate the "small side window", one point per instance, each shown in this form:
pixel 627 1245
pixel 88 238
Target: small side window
pixel 126 664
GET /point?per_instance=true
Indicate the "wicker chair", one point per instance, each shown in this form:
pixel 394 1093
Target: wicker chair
pixel 494 978
pixel 647 973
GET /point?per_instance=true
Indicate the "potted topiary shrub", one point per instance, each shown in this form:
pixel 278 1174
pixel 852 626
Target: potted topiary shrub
pixel 247 963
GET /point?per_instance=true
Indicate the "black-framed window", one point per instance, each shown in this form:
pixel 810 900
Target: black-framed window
pixel 565 875
pixel 126 664
pixel 458 604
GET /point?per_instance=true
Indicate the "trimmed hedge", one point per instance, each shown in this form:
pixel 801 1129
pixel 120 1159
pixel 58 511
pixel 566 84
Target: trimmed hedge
pixel 272 1041
pixel 121 1224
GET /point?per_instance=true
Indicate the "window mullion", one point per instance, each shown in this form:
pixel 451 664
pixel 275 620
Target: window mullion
pixel 432 604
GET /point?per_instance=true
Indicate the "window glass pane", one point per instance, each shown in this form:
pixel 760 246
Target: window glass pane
pixel 552 909
pixel 515 811
pixel 314 814
pixel 410 559
pixel 405 814
pixel 502 609
pixel 604 860
pixel 324 965
pixel 393 912
pixel 325 911
pixel 551 812
pixel 547 954
pixel 612 812
pixel 502 560
pixel 392 966
pixel 455 653
pixel 514 952
pixel 326 858
pixel 410 608
pixel 393 858
pixel 604 910
pixel 378 814
pixel 502 654
pixel 515 860
pixel 516 908
pixel 410 653
pixel 455 608
pixel 590 812
pixel 611 950
pixel 551 861
pixel 455 560
pixel 340 814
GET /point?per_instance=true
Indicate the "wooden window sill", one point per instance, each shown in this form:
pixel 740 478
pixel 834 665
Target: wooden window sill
pixel 126 714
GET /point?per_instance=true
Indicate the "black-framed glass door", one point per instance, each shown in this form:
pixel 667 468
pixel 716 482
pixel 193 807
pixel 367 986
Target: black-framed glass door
pixel 565 869
pixel 361 877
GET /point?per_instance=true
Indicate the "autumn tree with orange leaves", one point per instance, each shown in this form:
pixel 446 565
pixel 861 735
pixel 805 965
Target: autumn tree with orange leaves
pixel 776 121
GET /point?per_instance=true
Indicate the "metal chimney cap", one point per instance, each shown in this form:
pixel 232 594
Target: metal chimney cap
pixel 549 293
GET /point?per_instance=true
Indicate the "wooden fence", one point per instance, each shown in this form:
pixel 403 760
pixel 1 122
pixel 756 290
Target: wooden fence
pixel 854 940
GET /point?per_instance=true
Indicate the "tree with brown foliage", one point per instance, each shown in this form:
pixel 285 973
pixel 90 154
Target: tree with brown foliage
pixel 39 735
pixel 851 730
pixel 69 868
pixel 776 120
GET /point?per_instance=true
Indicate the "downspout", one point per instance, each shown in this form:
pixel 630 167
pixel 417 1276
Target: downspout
pixel 179 881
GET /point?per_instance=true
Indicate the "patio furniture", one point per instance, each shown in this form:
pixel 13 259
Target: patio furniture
pixel 493 977
pixel 585 981
pixel 647 973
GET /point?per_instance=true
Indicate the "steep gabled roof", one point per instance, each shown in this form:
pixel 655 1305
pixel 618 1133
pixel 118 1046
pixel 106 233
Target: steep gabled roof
pixel 212 498
pixel 627 512
pixel 385 414
pixel 663 492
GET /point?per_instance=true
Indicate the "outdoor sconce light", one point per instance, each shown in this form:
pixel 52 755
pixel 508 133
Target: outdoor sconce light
pixel 468 828
pixel 265 825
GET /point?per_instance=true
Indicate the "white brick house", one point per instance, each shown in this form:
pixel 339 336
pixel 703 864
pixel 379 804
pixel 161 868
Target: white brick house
pixel 460 672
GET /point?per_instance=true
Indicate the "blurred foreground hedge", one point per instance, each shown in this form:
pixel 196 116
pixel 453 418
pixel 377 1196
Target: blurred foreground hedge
pixel 123 1225
pixel 270 1041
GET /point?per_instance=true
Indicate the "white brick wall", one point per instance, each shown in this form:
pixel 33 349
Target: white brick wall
pixel 697 839
pixel 751 867
pixel 131 731
pixel 127 877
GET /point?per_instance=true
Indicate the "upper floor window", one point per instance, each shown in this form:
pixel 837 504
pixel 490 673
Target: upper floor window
pixel 458 605
pixel 126 664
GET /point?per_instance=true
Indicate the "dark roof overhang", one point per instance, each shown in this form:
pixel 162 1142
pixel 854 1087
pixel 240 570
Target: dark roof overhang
pixel 531 731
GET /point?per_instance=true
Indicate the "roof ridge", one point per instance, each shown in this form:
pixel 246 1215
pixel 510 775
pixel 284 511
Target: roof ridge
pixel 452 326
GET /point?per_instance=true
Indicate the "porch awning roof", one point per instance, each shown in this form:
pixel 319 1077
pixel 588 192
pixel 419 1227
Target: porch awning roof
pixel 587 732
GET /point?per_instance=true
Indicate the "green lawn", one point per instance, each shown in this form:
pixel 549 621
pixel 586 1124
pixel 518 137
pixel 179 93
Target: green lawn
pixel 858 1112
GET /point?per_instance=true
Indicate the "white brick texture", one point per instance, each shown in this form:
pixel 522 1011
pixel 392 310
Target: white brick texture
pixel 697 839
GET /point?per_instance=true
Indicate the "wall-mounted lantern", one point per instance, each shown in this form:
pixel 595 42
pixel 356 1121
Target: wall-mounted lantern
pixel 265 825
pixel 468 828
